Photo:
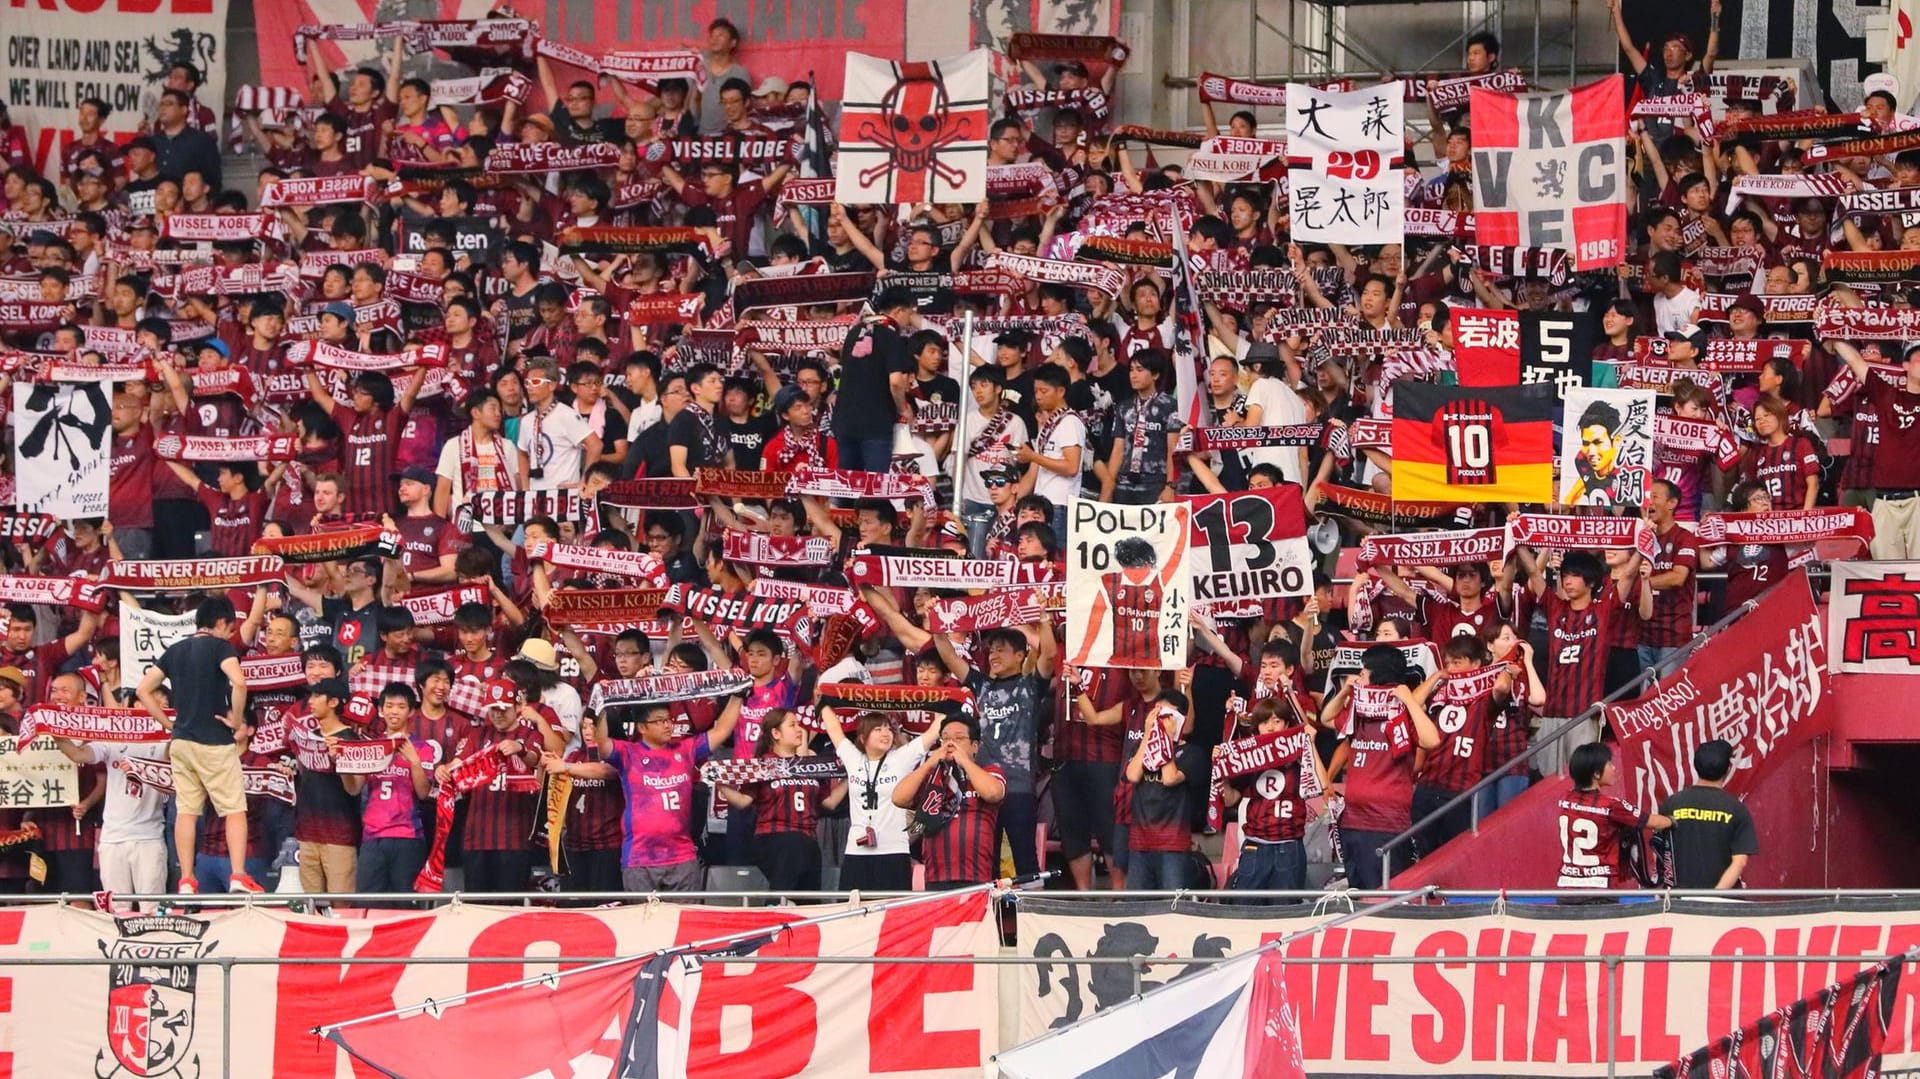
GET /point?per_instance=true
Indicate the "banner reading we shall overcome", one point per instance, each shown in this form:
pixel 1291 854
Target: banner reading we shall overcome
pixel 1549 171
pixel 1472 444
pixel 1127 587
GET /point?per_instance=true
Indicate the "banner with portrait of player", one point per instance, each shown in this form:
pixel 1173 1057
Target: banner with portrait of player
pixel 1472 443
pixel 1127 589
pixel 1873 617
pixel 1345 156
pixel 1250 545
pixel 1550 171
pixel 1606 447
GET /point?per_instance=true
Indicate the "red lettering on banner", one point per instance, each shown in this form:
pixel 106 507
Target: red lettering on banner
pixel 1314 991
pixel 783 1022
pixel 1501 992
pixel 1656 1041
pixel 897 1034
pixel 1365 992
pixel 124 7
pixel 1439 1037
pixel 1905 1020
pixel 1736 990
pixel 572 934
pixel 10 923
pixel 348 991
pixel 1812 973
pixel 1566 1007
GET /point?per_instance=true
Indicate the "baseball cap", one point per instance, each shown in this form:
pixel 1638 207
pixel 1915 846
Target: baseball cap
pixel 540 120
pixel 217 345
pixel 416 473
pixel 1907 352
pixel 772 84
pixel 339 309
pixel 499 693
pixel 1751 304
pixel 788 397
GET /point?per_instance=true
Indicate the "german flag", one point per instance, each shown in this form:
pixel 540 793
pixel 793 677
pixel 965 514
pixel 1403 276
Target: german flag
pixel 1472 443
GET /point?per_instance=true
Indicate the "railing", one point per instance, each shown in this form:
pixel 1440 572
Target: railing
pixel 1544 741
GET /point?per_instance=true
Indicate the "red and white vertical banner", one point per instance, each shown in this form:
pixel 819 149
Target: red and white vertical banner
pixel 1345 153
pixel 1128 591
pixel 738 1019
pixel 1873 617
pixel 1550 171
pixel 1486 346
pixel 913 132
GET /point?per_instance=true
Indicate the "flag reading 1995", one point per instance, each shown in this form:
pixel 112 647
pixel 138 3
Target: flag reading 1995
pixel 1549 171
pixel 1472 444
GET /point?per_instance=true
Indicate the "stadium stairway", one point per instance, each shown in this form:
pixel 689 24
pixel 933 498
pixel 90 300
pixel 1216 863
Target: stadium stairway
pixel 1836 811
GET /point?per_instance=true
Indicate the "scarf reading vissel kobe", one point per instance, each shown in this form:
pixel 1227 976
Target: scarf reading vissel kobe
pixel 1251 756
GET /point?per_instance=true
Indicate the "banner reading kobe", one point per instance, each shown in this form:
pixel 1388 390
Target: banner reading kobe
pixel 61 52
pixel 1127 587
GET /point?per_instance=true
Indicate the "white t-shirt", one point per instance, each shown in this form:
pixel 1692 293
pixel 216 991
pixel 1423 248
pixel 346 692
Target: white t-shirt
pixel 557 460
pixel 449 467
pixel 645 415
pixel 132 811
pixel 888 821
pixel 1052 486
pixel 565 702
pixel 1676 315
pixel 998 454
pixel 1279 407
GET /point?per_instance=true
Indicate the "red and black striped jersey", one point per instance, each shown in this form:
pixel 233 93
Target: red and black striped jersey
pixel 786 805
pixel 967 849
pixel 1274 809
pixel 367 449
pixel 1461 758
pixel 594 810
pixel 1575 665
pixel 1591 827
pixel 1673 608
pixel 1380 774
pixel 1468 430
pixel 1077 740
pixel 500 815
pixel 1135 609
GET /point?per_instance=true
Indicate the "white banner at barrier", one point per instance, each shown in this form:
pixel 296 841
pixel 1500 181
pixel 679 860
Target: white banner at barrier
pixel 145 1017
pixel 1369 1018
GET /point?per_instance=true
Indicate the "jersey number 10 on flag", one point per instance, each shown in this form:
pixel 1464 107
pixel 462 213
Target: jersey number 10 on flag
pixel 1472 443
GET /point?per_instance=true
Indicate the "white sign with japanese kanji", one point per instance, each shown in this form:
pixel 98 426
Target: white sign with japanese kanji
pixel 36 777
pixel 144 635
pixel 1345 152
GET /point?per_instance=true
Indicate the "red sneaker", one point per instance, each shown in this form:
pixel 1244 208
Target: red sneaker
pixel 241 882
pixel 189 886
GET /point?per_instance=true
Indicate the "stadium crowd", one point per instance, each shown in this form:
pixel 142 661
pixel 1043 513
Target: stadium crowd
pixel 545 334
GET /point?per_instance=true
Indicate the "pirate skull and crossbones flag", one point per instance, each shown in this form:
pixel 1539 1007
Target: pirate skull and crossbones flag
pixel 914 132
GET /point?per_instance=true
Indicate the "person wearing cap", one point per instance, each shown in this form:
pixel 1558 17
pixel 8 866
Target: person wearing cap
pixel 723 46
pixel 772 91
pixel 1746 317
pixel 428 542
pixel 493 840
pixel 1674 73
pixel 1272 403
pixel 989 453
pixel 208 695
pixel 1685 347
pixel 541 681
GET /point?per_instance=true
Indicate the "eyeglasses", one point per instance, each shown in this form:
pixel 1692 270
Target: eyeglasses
pixel 538 381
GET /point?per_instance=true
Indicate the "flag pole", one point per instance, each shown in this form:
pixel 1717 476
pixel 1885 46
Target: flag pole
pixel 431 1004
pixel 960 420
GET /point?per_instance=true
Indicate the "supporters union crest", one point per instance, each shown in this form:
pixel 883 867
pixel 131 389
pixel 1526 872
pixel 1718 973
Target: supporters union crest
pixel 150 998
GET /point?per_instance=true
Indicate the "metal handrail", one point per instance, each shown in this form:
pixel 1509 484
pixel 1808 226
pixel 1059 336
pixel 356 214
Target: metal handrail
pixel 1540 744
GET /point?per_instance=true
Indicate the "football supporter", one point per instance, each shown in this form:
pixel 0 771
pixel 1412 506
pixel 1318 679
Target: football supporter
pixel 955 801
pixel 1600 835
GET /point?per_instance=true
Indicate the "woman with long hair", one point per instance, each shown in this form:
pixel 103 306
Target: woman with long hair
pixel 786 848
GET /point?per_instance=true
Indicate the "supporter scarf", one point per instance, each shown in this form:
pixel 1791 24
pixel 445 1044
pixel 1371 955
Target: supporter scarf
pixel 664 309
pixel 736 149
pixel 1103 279
pixel 1867 323
pixel 1096 106
pixel 821 599
pixel 256 99
pixel 533 158
pixel 1372 703
pixel 1022 179
pixel 654 493
pixel 1208 439
pixel 1369 507
pixel 1728 355
pixel 466 774
pixel 232 280
pixel 1042 326
pixel 568 606
pixel 216 228
pixel 34 528
pixel 1672 106
pixel 801 290
pixel 731 483
pixel 559 789
pixel 254 782
pixel 1157 749
pixel 363 31
pixel 1219 88
pixel 667 688
pixel 27 317
pixel 234 380
pixel 1889 145
pixel 809 191
pixel 417 288
pixel 90 724
pixel 1130 252
pixel 1891 200
pixel 850 697
pixel 633 239
pixel 727 613
pixel 742 772
pixel 1453 548
pixel 470 461
pixel 566 54
pixel 350 544
pixel 1539 263
pixel 781 552
pixel 321 190
pixel 347 758
pixel 274 672
pixel 1696 436
pixel 1635 376
pixel 1835 532
pixel 1467 687
pixel 930 418
pixel 437 608
pixel 1240 289
pixel 1450 94
pixel 644 68
pixel 1013 605
pixel 1755 88
pixel 1260 753
pixel 1794 126
pixel 314 264
pixel 1884 267
pixel 194 574
pixel 640 193
pixel 844 483
pixel 1787 308
pixel 491 87
pixel 934 569
pixel 519 507
pixel 1156 136
pixel 334 357
pixel 1818 185
pixel 1425 221
pixel 1730 261
pixel 63 371
pixel 637 565
pixel 205 448
pixel 1565 532
pixel 817 337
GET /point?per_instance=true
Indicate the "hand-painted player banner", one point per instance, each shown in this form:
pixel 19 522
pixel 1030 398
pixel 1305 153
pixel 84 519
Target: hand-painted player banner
pixel 1250 545
pixel 61 450
pixel 1127 588
pixel 1549 170
pixel 1761 684
pixel 1548 1019
pixel 1873 617
pixel 1606 447
pixel 1345 152
pixel 914 132
pixel 1472 444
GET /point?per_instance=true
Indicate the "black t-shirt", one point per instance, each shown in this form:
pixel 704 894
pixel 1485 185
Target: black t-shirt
pixel 748 437
pixel 521 317
pixel 863 407
pixel 686 430
pixel 355 632
pixel 1017 394
pixel 939 389
pixel 198 689
pixel 1710 826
